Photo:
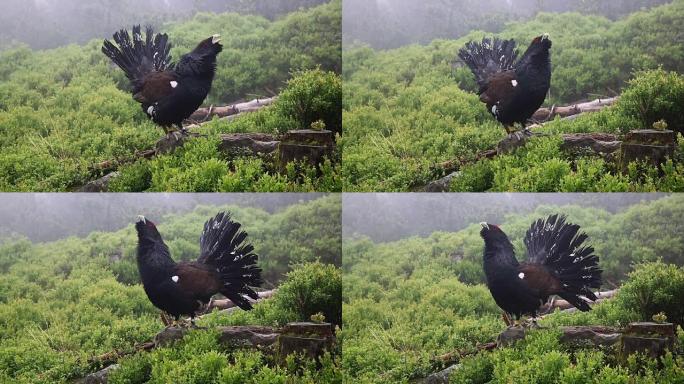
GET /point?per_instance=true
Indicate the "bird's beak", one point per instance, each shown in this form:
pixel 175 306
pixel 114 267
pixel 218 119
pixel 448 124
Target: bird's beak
pixel 216 39
pixel 484 225
pixel 141 219
pixel 545 36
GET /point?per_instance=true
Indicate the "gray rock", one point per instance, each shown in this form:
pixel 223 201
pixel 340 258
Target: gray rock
pixel 99 185
pixel 510 335
pixel 99 377
pixel 441 377
pixel 653 339
pixel 598 143
pixel 513 141
pixel 306 144
pixel 443 184
pixel 168 335
pixel 308 339
pixel 248 144
pixel 590 336
pixel 647 145
pixel 248 336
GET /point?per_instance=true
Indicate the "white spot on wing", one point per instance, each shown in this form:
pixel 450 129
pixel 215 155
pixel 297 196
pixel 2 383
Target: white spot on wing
pixel 174 278
pixel 174 84
pixel 521 275
pixel 514 83
pixel 494 109
pixel 150 110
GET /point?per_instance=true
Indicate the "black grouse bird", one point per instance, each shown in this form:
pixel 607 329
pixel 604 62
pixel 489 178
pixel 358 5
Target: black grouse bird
pixel 226 265
pixel 169 92
pixel 513 90
pixel 557 264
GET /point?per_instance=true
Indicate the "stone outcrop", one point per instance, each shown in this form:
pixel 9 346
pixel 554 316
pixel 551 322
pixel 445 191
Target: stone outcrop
pixel 305 339
pixel 649 145
pixel 305 144
pixel 99 185
pixel 240 144
pixel 652 339
pixel 308 339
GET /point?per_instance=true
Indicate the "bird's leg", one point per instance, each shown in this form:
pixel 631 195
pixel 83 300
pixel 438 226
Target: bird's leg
pixel 182 129
pixel 506 319
pixel 165 319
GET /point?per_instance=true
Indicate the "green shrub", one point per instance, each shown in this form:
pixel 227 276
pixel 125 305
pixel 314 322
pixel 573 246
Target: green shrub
pixel 311 96
pixel 654 95
pixel 310 289
pixel 653 288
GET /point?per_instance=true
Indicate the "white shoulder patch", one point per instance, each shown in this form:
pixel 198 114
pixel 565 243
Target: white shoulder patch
pixel 521 275
pixel 174 278
pixel 150 110
pixel 494 109
pixel 174 84
pixel 514 83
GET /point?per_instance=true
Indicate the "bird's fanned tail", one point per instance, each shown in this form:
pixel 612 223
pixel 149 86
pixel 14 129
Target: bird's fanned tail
pixel 137 56
pixel 557 245
pixel 223 246
pixel 488 57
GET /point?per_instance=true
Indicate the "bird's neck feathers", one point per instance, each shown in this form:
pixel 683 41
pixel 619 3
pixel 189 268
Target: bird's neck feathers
pixel 496 247
pixel 536 57
pixel 151 248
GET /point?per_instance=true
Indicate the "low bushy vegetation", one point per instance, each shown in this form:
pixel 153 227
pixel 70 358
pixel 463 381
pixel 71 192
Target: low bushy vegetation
pixel 407 302
pixel 64 302
pixel 408 110
pixel 65 110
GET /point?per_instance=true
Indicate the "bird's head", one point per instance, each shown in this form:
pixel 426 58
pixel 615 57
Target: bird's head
pixel 537 54
pixel 146 229
pixel 209 46
pixel 542 41
pixel 495 239
pixel 491 232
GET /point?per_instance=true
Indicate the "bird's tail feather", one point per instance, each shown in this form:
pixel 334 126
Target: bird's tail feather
pixel 488 57
pixel 557 245
pixel 223 246
pixel 137 56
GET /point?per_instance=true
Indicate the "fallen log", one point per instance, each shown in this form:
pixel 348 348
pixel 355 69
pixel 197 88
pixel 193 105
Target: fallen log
pixel 223 304
pixel 565 305
pixel 205 114
pixel 546 114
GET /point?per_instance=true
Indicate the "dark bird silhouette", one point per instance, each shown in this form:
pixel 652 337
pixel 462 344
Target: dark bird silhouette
pixel 226 265
pixel 513 90
pixel 557 264
pixel 168 92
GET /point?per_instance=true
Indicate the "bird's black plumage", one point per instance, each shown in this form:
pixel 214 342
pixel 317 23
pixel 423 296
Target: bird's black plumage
pixel 557 264
pixel 226 265
pixel 513 90
pixel 168 92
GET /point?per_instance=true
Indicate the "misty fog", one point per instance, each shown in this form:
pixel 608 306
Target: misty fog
pixel 392 216
pixel 51 216
pixel 394 23
pixel 51 23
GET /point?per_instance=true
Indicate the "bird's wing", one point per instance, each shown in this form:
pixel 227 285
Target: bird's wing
pixel 222 238
pixel 539 279
pixel 196 280
pixel 488 57
pixel 500 86
pixel 551 239
pixel 155 86
pixel 138 56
